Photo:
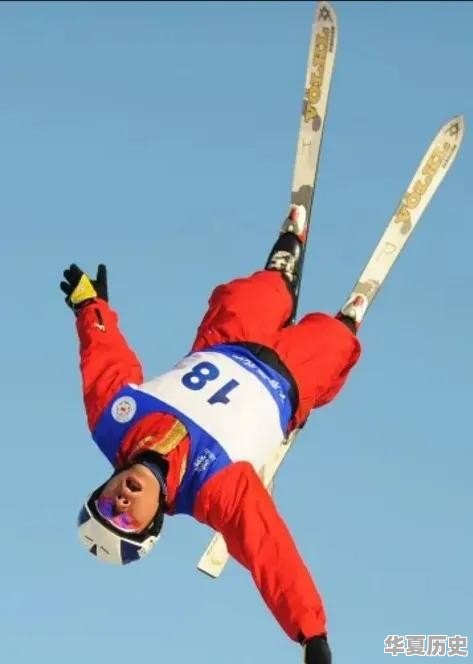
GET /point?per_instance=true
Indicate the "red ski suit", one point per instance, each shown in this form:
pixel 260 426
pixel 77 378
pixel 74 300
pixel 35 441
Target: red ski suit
pixel 319 352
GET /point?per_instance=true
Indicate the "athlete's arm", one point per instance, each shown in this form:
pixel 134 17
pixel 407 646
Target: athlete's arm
pixel 236 504
pixel 107 362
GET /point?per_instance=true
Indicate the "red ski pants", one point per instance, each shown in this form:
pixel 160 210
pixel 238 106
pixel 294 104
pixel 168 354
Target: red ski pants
pixel 318 351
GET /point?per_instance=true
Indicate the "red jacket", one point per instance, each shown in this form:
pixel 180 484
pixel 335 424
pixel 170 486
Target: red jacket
pixel 234 502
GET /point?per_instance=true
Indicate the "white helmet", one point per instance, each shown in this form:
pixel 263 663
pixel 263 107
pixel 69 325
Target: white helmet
pixel 111 544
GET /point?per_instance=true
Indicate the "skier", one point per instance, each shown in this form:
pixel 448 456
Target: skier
pixel 191 440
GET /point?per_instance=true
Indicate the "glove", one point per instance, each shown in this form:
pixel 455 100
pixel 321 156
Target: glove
pixel 317 651
pixel 81 289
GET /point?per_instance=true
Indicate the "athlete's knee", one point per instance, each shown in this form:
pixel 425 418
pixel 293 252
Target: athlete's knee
pixel 241 288
pixel 327 326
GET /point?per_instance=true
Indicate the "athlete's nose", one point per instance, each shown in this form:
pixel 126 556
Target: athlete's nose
pixel 132 485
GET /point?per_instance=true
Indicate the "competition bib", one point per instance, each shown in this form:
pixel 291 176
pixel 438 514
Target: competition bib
pixel 225 393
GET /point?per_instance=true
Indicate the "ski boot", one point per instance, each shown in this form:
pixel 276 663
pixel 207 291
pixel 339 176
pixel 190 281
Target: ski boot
pixel 288 248
pixel 353 311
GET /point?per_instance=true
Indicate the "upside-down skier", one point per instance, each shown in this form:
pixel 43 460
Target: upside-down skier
pixel 191 440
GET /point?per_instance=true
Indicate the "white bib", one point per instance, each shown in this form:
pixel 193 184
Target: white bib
pixel 226 400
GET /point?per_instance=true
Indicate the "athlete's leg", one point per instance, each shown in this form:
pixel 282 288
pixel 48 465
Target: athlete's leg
pixel 319 351
pixel 254 308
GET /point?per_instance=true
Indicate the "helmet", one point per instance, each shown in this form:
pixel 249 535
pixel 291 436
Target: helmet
pixel 110 544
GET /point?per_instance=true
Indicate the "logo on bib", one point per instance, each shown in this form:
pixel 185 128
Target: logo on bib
pixel 204 460
pixel 123 409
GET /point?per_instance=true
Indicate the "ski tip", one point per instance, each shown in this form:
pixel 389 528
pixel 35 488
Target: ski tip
pixel 452 131
pixel 459 119
pixel 455 127
pixel 325 10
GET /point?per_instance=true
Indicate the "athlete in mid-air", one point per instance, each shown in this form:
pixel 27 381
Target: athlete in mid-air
pixel 191 441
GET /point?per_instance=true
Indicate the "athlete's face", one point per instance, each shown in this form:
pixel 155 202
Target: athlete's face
pixel 135 496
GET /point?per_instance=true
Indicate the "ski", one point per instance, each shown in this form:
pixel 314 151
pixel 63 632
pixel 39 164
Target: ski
pixel 431 171
pixel 320 63
pixel 321 59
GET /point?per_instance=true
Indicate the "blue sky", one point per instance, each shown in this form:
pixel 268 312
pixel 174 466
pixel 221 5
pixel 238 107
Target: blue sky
pixel 160 138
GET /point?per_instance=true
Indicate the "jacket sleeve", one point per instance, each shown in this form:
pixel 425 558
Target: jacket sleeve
pixel 107 363
pixel 236 504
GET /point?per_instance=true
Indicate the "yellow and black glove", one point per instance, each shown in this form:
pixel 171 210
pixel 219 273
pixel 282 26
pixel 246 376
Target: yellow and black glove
pixel 81 289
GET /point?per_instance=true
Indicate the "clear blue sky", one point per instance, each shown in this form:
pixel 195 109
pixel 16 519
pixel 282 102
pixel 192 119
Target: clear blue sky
pixel 159 138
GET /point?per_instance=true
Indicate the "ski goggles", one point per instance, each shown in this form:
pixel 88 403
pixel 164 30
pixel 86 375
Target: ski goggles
pixel 121 520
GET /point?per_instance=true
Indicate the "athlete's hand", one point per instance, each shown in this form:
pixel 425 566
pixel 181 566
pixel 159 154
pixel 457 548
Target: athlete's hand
pixel 81 289
pixel 317 651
